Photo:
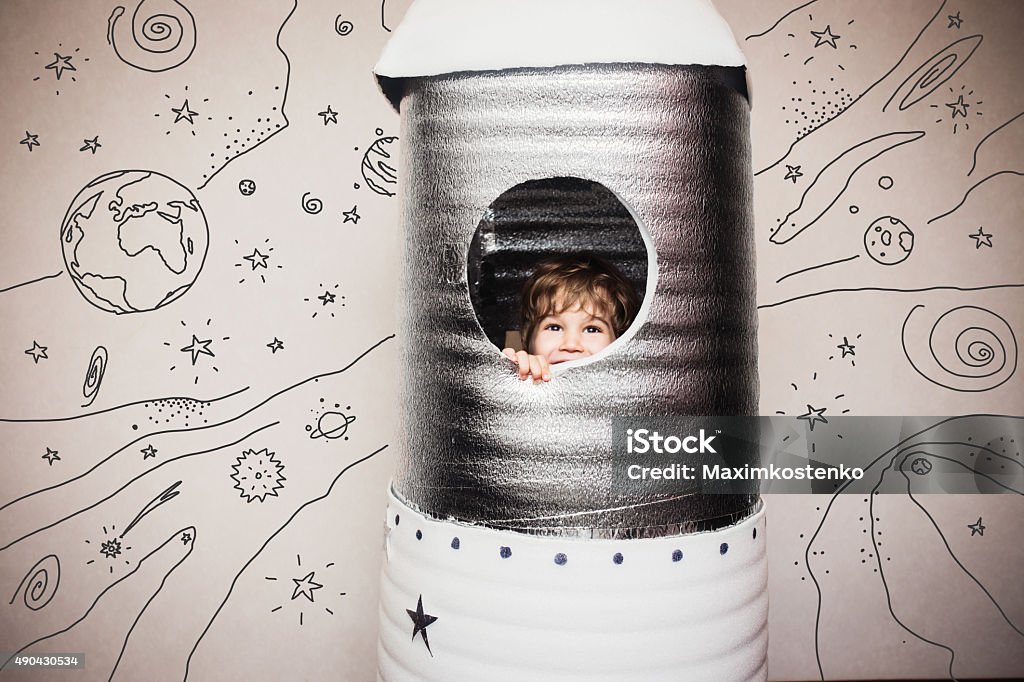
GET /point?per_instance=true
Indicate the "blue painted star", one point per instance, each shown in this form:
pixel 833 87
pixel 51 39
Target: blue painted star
pixel 977 528
pixel 959 107
pixel 37 352
pixel 30 140
pixel 981 238
pixel 91 145
pixel 954 20
pixel 61 64
pixel 352 216
pixel 420 621
pixel 329 116
pixel 305 586
pixel 197 348
pixel 183 113
pixel 792 173
pixel 825 37
pixel 51 456
pixel 814 415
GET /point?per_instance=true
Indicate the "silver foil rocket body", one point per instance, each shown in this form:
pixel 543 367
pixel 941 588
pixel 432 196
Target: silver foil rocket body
pixel 673 144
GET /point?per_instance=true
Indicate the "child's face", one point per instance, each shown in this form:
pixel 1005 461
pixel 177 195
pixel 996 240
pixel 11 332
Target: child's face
pixel 571 335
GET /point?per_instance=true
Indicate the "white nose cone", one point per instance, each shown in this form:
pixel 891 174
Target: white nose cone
pixel 448 36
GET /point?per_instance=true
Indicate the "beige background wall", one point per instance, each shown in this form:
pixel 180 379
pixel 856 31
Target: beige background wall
pixel 157 515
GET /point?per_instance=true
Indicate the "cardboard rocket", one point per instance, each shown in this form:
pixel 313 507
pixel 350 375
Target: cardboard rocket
pixel 618 128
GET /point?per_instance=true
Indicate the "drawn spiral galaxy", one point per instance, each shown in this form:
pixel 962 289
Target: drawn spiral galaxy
pixel 342 27
pixel 311 206
pixel 40 583
pixel 161 37
pixel 94 375
pixel 968 348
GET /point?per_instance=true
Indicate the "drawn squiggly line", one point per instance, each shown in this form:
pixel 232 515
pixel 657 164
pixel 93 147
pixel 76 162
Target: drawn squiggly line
pixel 284 99
pixel 31 281
pixel 860 154
pixel 974 164
pixel 41 586
pixel 342 26
pixel 244 413
pixel 311 206
pixel 277 532
pixel 780 20
pixel 897 448
pixel 173 538
pixel 863 94
pixel 968 193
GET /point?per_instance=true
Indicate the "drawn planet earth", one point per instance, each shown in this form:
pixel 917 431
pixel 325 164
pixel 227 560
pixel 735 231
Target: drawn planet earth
pixel 920 466
pixel 134 241
pixel 331 425
pixel 889 241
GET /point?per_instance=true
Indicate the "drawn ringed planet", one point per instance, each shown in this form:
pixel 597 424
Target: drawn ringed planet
pixel 331 425
pixel 377 167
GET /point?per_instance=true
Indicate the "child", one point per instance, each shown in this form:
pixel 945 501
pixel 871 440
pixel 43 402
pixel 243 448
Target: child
pixel 571 308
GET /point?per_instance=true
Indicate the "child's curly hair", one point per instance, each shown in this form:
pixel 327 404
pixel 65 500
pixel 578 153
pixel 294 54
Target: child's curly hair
pixel 584 280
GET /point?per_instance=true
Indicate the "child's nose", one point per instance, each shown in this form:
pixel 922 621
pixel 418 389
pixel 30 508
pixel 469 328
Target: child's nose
pixel 572 341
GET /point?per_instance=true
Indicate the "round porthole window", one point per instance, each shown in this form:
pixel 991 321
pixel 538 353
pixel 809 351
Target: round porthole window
pixel 556 258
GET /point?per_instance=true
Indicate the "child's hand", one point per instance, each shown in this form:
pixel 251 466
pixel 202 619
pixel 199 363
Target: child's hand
pixel 529 365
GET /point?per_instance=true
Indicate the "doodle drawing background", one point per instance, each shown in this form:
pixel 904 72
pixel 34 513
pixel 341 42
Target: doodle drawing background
pixel 199 267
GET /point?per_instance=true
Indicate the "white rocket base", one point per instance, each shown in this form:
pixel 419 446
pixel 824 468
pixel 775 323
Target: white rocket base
pixel 500 605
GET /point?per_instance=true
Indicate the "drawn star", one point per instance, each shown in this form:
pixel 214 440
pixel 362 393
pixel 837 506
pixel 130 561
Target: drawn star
pixel 959 107
pixel 185 538
pixel 305 586
pixel 148 451
pixel 792 173
pixel 61 64
pixel 37 352
pixel 420 621
pixel 981 238
pixel 327 297
pixel 954 20
pixel 275 345
pixel 91 145
pixel 814 415
pixel 51 456
pixel 351 216
pixel 825 37
pixel 197 348
pixel 977 528
pixel 257 256
pixel 184 113
pixel 329 116
pixel 846 347
pixel 30 140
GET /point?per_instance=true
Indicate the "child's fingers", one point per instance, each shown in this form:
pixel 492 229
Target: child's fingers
pixel 536 367
pixel 545 368
pixel 510 354
pixel 523 359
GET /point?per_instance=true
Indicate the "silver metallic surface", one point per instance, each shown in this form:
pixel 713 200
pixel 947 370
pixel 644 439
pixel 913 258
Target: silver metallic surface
pixel 673 143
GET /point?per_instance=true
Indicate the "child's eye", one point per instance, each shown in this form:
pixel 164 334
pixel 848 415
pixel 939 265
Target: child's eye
pixel 593 329
pixel 553 327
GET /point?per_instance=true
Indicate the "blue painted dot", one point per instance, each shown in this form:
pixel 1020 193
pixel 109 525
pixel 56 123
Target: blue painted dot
pixel 505 552
pixel 677 555
pixel 419 535
pixel 455 543
pixel 560 559
pixel 617 558
pixel 396 519
pixel 723 548
pixel 755 533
